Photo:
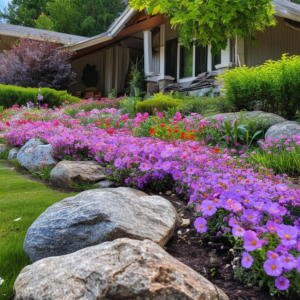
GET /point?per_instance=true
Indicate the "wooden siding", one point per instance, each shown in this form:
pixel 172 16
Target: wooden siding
pixel 6 42
pixel 272 43
pixel 170 33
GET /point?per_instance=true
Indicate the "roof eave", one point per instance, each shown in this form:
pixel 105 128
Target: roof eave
pixel 287 15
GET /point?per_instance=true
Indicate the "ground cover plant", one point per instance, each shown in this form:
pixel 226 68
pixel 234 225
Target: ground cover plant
pixel 21 202
pixel 257 211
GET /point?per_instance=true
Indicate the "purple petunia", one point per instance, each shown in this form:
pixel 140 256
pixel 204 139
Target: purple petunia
pixel 287 234
pixel 273 267
pixel 247 260
pixel 200 225
pixel 251 241
pixel 282 283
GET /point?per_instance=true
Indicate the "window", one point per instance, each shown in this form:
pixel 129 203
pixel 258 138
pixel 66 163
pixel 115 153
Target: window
pixel 186 62
pixel 191 62
pixel 216 60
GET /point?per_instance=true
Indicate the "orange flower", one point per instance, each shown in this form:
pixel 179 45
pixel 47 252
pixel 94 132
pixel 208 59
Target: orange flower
pixel 217 150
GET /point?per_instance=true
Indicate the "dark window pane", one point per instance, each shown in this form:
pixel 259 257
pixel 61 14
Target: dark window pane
pixel 216 60
pixel 201 60
pixel 186 62
pixel 171 58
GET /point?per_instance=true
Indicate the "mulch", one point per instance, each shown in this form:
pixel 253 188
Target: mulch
pixel 211 260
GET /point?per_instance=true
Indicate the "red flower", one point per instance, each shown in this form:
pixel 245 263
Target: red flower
pixel 7 123
pixel 217 150
pixel 163 125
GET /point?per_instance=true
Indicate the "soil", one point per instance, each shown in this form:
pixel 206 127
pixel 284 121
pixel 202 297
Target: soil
pixel 211 260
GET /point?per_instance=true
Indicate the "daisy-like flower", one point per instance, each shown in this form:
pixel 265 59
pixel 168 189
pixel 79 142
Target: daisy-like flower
pixel 251 241
pixel 287 234
pixel 282 283
pixel 200 225
pixel 273 267
pixel 247 260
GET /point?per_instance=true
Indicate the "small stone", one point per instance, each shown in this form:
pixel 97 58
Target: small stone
pixel 185 222
pixel 179 232
pixel 227 266
pixel 13 153
pixel 173 195
pixel 105 184
pixel 168 193
pixel 160 193
pixel 3 148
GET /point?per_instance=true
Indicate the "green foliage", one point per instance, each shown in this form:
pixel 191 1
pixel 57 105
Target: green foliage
pixel 1 109
pixel 25 199
pixel 43 174
pixel 80 17
pixel 274 86
pixel 4 155
pixel 11 95
pixel 204 105
pixel 137 83
pixel 23 12
pixel 212 22
pixel 160 102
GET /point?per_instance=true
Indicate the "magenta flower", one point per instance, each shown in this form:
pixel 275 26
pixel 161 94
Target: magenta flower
pixel 200 225
pixel 251 241
pixel 247 260
pixel 208 208
pixel 287 234
pixel 145 166
pixel 282 283
pixel 273 267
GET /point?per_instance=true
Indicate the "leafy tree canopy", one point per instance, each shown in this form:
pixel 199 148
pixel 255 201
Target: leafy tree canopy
pixel 80 17
pixel 212 22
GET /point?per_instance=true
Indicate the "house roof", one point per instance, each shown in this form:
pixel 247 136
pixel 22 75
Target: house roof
pixel 22 31
pixel 287 9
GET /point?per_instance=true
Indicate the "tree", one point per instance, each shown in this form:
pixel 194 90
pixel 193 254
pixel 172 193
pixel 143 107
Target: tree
pixel 81 17
pixel 23 12
pixel 212 22
pixel 37 63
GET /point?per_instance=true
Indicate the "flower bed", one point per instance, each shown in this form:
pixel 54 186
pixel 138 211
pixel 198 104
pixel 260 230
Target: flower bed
pixel 257 211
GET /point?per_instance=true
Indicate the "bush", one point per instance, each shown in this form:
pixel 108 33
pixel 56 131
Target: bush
pixel 273 87
pixel 37 63
pixel 160 102
pixel 11 95
pixel 204 105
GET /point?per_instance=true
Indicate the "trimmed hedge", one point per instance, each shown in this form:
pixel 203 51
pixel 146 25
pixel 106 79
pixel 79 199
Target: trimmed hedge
pixel 160 101
pixel 11 95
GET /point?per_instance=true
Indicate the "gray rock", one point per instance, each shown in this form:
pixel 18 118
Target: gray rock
pixel 105 184
pixel 288 129
pixel 3 148
pixel 264 120
pixel 68 173
pixel 34 155
pixel 13 153
pixel 96 216
pixel 122 269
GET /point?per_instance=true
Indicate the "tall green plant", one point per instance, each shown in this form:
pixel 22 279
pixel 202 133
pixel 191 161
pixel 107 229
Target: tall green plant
pixel 274 86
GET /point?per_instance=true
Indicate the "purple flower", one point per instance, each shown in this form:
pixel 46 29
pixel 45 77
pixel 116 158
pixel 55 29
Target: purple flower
pixel 200 225
pixel 288 260
pixel 176 174
pixel 250 215
pixel 40 97
pixel 198 207
pixel 287 234
pixel 272 226
pixel 271 254
pixel 208 208
pixel 238 231
pixel 247 260
pixel 282 283
pixel 273 267
pixel 145 166
pixel 251 241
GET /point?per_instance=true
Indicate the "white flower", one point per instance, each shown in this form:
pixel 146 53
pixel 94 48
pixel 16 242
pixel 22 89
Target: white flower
pixel 1 280
pixel 18 219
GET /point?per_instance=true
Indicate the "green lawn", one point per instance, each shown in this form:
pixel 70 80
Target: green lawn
pixel 25 199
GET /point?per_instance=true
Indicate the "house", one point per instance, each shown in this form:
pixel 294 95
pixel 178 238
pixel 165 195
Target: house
pixel 136 35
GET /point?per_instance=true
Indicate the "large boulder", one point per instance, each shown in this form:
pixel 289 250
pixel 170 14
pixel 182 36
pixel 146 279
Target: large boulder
pixel 122 269
pixel 34 155
pixel 68 173
pixel 262 119
pixel 287 129
pixel 13 153
pixel 96 216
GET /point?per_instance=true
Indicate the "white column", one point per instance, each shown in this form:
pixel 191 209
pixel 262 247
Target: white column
pixel 162 49
pixel 209 58
pixel 147 52
pixel 240 51
pixel 225 54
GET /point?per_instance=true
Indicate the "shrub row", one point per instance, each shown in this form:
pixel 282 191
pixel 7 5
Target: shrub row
pixel 11 95
pixel 273 86
pixel 160 102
